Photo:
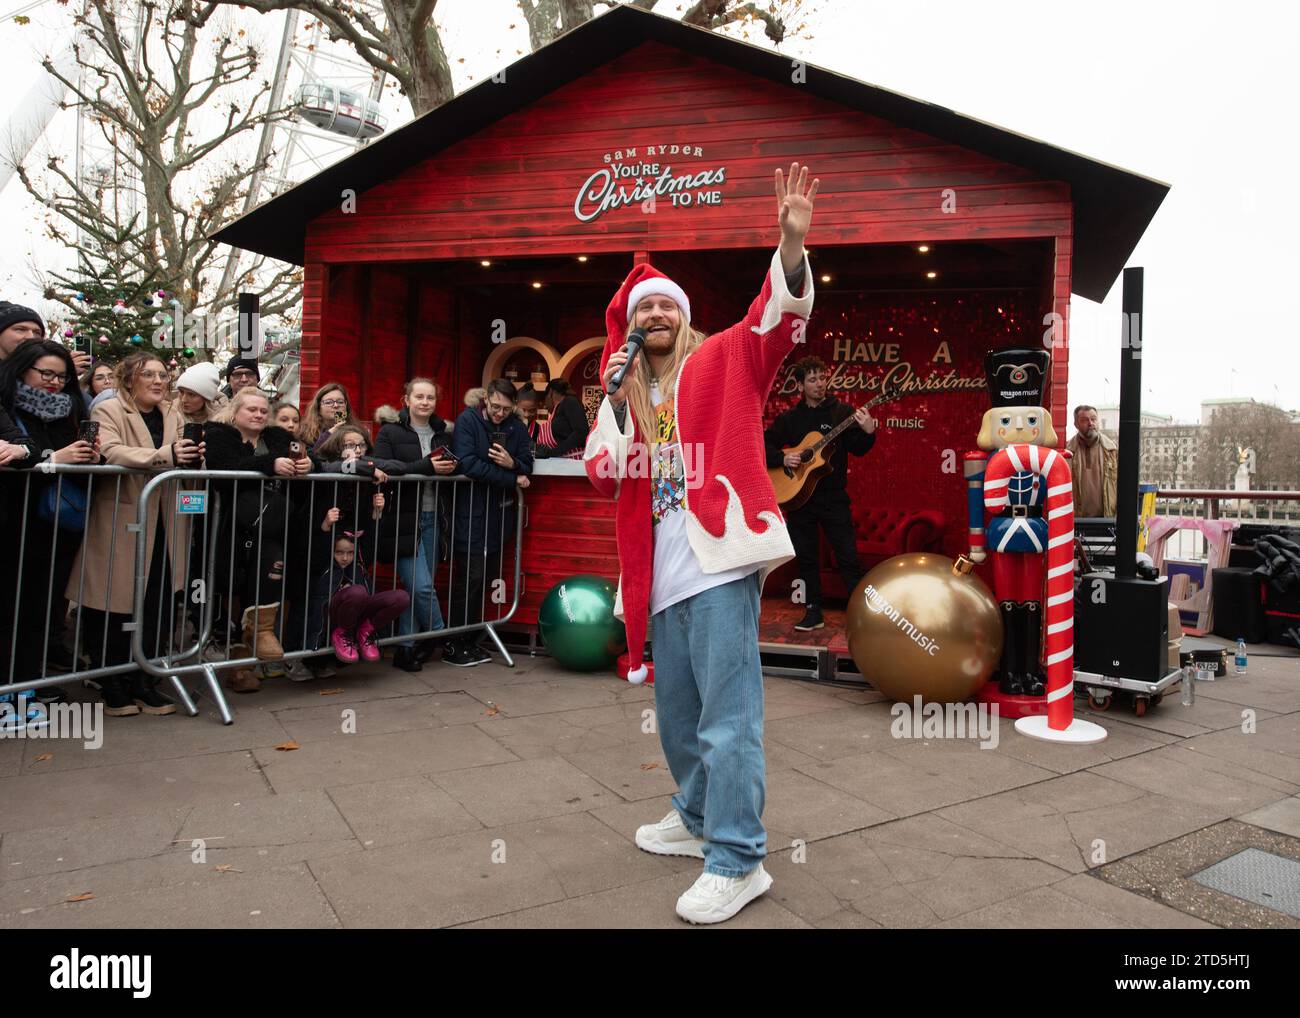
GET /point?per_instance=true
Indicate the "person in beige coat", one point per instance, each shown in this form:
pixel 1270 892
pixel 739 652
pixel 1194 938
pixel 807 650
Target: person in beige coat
pixel 136 429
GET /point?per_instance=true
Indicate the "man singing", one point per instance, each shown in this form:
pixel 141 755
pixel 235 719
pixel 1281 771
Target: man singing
pixel 828 508
pixel 698 529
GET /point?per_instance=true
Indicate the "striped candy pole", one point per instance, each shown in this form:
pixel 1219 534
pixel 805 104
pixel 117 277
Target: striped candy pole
pixel 1058 651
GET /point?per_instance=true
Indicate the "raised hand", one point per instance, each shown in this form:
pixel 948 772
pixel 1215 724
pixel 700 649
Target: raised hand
pixel 794 203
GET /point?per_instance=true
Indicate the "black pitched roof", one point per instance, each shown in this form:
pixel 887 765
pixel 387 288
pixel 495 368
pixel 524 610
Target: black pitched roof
pixel 1112 206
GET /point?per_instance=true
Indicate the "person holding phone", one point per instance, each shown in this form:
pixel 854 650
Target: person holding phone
pixel 492 446
pixel 417 440
pixel 329 408
pixel 138 429
pixel 40 393
pixel 240 437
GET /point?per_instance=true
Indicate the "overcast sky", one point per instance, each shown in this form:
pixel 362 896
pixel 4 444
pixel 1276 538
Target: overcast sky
pixel 1199 95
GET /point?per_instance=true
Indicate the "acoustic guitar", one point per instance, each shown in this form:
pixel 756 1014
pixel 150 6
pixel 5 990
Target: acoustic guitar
pixel 795 485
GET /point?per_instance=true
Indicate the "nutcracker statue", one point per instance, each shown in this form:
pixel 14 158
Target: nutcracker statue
pixel 1021 485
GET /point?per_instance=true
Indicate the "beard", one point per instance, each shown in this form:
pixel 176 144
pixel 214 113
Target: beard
pixel 660 343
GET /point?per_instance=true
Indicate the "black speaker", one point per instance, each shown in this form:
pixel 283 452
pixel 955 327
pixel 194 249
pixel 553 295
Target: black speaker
pixel 1238 609
pixel 1121 627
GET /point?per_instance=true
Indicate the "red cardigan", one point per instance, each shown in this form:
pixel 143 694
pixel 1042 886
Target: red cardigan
pixel 732 518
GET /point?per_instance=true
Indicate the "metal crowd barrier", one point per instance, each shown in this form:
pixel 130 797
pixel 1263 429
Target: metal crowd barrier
pixel 186 610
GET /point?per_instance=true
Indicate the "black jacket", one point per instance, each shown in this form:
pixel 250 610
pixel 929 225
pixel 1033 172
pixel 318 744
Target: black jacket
pixel 568 428
pixel 11 433
pixel 227 450
pixel 790 428
pixel 398 441
pixel 492 503
pixel 1281 565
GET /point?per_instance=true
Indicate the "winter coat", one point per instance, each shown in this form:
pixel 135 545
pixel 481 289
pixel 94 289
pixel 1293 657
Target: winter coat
pixel 398 441
pixel 124 440
pixel 487 510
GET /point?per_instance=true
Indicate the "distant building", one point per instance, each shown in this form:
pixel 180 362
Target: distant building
pixel 1209 407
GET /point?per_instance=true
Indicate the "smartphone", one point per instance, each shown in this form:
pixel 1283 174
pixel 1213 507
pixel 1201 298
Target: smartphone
pixel 193 433
pixel 340 416
pixel 499 438
pixel 82 344
pixel 296 450
pixel 88 432
pixel 443 452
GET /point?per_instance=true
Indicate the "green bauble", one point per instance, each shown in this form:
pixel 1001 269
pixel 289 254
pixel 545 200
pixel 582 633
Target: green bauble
pixel 577 624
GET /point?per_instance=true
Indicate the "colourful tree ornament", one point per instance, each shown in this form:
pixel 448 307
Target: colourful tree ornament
pixel 137 339
pixel 103 339
pixel 188 351
pixel 119 306
pixel 67 333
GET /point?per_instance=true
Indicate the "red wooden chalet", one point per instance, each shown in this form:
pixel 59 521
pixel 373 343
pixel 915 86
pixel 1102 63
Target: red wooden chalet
pixel 513 212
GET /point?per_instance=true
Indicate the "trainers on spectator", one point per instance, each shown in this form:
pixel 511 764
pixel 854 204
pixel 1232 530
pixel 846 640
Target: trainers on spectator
pixel 320 668
pixel 463 654
pixel 298 671
pixel 144 692
pixel 345 645
pixel 118 703
pixel 366 642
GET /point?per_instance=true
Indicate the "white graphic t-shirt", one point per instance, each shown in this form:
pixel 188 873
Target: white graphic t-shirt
pixel 677 572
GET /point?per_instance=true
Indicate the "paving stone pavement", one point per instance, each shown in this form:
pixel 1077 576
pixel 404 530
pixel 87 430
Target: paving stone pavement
pixel 508 797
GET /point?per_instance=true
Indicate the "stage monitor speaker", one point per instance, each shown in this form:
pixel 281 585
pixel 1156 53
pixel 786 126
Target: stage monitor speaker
pixel 1121 627
pixel 1238 606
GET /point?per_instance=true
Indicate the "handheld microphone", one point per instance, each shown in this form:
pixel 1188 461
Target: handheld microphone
pixel 635 340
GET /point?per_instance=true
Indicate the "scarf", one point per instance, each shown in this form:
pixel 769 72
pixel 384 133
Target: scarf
pixel 46 406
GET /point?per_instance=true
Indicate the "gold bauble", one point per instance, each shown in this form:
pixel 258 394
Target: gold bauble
pixel 921 624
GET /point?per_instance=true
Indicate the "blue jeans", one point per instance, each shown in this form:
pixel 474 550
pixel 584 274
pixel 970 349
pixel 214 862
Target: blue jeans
pixel 416 573
pixel 709 699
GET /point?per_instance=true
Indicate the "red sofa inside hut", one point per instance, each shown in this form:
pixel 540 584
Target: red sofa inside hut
pixel 882 533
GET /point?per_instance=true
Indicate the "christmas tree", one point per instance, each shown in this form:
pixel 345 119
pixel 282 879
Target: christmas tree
pixel 111 315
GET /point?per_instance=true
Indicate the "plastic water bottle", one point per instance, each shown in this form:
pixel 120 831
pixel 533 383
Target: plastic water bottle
pixel 1240 663
pixel 1189 685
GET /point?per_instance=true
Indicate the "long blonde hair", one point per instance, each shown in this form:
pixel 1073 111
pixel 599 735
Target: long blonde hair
pixel 643 411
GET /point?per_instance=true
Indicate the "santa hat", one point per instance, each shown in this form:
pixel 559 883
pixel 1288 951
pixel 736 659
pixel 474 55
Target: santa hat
pixel 636 541
pixel 643 281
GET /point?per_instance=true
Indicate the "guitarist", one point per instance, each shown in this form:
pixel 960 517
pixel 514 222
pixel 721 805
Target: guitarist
pixel 828 508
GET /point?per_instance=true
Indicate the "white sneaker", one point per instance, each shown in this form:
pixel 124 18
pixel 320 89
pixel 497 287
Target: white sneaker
pixel 669 837
pixel 298 672
pixel 715 899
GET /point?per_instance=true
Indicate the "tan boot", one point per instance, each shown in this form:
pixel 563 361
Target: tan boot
pixel 243 679
pixel 259 630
